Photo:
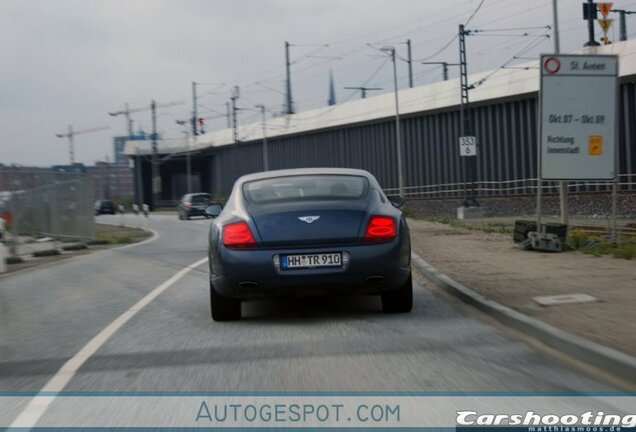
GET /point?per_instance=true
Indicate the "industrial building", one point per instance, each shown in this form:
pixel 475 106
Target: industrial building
pixel 361 134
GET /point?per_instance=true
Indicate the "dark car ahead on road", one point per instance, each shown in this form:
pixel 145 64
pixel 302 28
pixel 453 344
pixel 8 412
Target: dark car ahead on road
pixel 194 204
pixel 104 207
pixel 305 232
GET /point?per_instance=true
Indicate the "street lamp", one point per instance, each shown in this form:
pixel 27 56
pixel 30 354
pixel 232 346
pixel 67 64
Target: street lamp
pixel 391 51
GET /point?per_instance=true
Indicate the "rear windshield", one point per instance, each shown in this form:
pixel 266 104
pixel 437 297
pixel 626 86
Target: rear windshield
pixel 305 187
pixel 200 198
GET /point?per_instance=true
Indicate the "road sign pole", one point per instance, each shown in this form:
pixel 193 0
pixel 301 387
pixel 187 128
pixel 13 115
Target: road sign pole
pixel 539 182
pixel 578 129
pixel 563 186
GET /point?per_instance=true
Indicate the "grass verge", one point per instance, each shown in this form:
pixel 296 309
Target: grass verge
pixel 586 242
pixel 113 234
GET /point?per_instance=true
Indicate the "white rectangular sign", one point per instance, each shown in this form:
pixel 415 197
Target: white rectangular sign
pixel 468 146
pixel 578 116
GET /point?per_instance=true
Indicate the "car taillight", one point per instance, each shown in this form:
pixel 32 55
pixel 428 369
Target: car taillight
pixel 380 228
pixel 238 235
pixel 188 204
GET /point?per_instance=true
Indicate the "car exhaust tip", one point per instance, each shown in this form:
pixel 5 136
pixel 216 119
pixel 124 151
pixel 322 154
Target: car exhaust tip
pixel 374 279
pixel 248 285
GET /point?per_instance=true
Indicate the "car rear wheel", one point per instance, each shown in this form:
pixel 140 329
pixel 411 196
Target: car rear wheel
pixel 224 308
pixel 399 300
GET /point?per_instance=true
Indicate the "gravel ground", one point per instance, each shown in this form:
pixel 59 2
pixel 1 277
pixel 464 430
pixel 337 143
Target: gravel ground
pixel 492 266
pixel 587 205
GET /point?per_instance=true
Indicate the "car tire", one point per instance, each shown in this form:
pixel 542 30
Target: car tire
pixel 399 300
pixel 180 216
pixel 224 308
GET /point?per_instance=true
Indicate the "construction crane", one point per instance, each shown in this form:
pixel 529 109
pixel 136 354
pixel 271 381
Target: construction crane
pixel 127 111
pixel 71 133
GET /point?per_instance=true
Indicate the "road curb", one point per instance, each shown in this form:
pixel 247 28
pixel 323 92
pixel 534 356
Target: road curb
pixel 608 359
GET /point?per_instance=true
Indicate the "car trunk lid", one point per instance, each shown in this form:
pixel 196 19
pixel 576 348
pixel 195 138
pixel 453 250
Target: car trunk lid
pixel 309 222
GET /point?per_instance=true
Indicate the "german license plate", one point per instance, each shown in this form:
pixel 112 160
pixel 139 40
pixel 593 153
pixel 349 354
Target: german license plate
pixel 288 262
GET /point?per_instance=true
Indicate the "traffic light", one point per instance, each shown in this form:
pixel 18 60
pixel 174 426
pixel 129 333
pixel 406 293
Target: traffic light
pixel 590 11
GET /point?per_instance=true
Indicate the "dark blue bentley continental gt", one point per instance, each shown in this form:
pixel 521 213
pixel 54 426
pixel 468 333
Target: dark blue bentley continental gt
pixel 309 231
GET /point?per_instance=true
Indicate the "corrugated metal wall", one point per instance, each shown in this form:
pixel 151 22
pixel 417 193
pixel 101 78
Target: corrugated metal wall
pixel 506 132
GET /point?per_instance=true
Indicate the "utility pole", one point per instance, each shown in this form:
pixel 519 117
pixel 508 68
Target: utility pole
pixel 623 24
pixel 445 66
pixel 470 167
pixel 228 114
pixel 156 178
pixel 591 10
pixel 410 62
pixel 188 160
pixel 398 143
pixel 265 155
pixel 127 111
pixel 290 104
pixel 363 90
pixel 194 109
pixel 140 187
pixel 233 98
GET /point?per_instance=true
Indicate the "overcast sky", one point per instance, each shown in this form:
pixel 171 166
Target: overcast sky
pixel 71 61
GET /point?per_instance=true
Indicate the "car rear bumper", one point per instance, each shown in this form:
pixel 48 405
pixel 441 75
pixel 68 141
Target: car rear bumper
pixel 192 211
pixel 372 269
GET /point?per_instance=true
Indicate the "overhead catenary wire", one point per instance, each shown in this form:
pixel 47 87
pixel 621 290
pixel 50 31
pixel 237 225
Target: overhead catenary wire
pixel 453 39
pixel 353 56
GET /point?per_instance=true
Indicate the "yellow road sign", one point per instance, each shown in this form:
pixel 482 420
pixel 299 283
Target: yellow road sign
pixel 605 24
pixel 595 145
pixel 604 8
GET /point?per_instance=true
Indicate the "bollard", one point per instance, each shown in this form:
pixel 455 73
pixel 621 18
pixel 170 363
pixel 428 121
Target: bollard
pixel 146 210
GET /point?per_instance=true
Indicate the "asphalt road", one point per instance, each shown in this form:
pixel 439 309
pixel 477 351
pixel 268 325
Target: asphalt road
pixel 334 344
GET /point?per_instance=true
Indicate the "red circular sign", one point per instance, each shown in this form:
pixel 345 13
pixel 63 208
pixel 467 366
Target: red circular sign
pixel 552 65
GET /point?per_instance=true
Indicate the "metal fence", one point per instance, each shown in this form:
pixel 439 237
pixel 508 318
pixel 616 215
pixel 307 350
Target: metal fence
pixel 512 187
pixel 45 204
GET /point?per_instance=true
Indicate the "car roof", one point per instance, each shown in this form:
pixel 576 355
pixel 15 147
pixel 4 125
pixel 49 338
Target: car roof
pixel 304 171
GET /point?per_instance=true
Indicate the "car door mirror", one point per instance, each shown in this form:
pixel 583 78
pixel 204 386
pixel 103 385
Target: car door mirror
pixel 396 200
pixel 213 210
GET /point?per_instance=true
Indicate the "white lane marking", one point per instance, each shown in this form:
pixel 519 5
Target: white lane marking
pixel 36 407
